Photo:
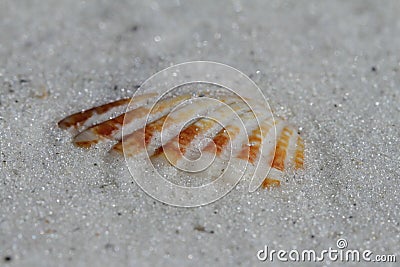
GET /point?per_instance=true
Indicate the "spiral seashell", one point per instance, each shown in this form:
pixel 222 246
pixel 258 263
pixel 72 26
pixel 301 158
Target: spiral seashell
pixel 220 135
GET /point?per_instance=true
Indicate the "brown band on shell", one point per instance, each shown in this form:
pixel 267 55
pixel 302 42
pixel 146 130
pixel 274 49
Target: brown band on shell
pixel 299 153
pixel 281 149
pixel 79 118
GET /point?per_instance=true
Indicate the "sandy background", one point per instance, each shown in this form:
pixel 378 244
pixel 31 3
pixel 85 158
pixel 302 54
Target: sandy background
pixel 332 68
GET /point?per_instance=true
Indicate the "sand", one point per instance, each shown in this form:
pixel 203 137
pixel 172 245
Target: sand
pixel 331 68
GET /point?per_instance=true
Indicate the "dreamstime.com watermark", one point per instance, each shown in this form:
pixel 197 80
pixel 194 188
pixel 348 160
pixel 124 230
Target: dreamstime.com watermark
pixel 338 254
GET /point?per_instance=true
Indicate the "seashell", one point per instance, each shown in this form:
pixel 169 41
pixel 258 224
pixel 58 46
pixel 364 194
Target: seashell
pixel 177 129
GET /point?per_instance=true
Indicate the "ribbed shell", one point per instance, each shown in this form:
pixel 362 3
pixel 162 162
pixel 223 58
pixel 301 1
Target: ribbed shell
pixel 271 141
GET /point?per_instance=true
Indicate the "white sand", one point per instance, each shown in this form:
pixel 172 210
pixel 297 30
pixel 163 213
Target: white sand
pixel 332 68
